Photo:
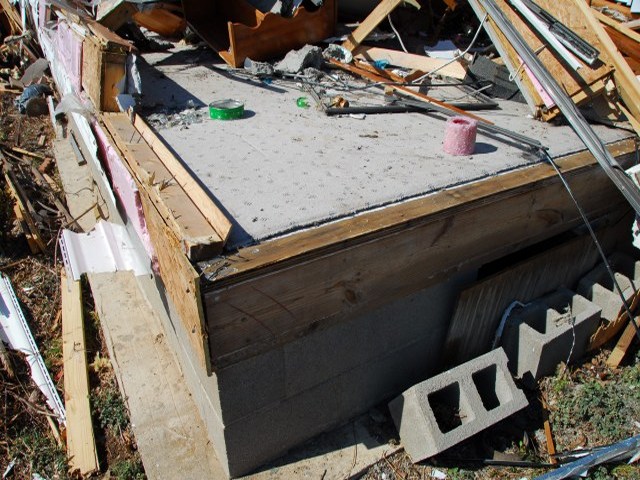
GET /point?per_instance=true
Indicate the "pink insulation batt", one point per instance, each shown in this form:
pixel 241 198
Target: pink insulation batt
pixel 460 136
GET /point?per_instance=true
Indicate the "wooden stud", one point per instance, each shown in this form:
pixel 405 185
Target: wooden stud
pixel 384 8
pixel 81 446
pixel 626 81
pixel 196 236
pixel 405 90
pixel 620 350
pixel 412 61
pixel 201 199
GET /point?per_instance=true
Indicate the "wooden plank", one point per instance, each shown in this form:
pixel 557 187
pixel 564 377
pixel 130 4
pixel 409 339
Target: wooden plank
pixel 81 446
pixel 617 26
pixel 405 90
pixel 607 331
pixel 180 279
pixel 196 237
pixel 622 347
pixel 161 21
pixel 200 197
pixel 633 24
pixel 626 81
pixel 113 14
pixel 384 8
pixel 411 61
pixel 625 10
pixel 263 300
pixel 572 82
pixel 480 307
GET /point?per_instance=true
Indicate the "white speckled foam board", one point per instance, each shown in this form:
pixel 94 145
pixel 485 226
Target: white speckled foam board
pixel 283 168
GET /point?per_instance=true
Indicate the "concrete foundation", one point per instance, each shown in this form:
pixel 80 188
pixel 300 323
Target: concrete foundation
pixel 541 335
pixel 258 409
pixel 448 408
pixel 598 286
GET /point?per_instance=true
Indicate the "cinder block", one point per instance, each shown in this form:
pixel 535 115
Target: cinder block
pixel 540 336
pixel 444 410
pixel 598 287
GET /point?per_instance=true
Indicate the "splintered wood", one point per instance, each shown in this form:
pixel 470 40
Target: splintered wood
pixel 81 445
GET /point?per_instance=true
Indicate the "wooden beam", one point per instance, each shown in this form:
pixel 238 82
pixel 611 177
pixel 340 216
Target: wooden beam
pixel 81 446
pixel 201 199
pixel 411 61
pixel 617 26
pixel 405 90
pixel 384 8
pixel 314 279
pixel 626 81
pixel 622 347
pixel 195 235
pixel 633 24
pixel 180 279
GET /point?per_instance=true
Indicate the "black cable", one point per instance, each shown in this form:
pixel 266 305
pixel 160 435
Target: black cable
pixel 595 240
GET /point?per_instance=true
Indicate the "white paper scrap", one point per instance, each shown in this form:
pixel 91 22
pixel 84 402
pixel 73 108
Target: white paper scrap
pixel 107 248
pixel 15 332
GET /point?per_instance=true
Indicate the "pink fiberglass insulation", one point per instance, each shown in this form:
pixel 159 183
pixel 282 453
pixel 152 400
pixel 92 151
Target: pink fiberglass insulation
pixel 460 136
pixel 126 190
pixel 68 47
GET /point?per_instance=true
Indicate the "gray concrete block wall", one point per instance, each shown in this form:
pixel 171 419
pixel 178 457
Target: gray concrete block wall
pixel 541 335
pixel 444 410
pixel 257 409
pixel 598 287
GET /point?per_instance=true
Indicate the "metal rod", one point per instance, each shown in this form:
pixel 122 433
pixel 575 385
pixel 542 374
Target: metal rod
pixel 494 129
pixel 613 170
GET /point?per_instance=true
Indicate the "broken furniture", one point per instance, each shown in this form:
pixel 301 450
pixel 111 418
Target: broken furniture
pixel 237 30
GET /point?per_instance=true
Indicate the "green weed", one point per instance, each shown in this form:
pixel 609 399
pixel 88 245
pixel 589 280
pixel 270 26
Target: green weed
pixel 128 470
pixel 110 409
pixel 39 453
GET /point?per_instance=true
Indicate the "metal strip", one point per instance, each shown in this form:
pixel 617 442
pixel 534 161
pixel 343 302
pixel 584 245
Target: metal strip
pixel 613 170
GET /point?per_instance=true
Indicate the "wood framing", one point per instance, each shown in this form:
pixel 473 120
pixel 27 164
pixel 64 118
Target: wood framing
pixel 384 8
pixel 196 193
pixel 170 214
pixel 81 446
pixel 296 284
pixel 104 58
pixel 412 61
pixel 197 238
pixel 626 81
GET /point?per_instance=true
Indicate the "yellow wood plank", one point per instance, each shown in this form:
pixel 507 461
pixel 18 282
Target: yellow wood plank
pixel 625 79
pixel 217 219
pixel 196 236
pixel 411 61
pixel 384 8
pixel 81 447
pixel 621 348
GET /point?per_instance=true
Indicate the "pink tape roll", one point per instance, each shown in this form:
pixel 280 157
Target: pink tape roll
pixel 460 136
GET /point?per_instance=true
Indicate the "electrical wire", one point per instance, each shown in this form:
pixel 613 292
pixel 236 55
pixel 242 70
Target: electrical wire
pixel 595 241
pixel 397 33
